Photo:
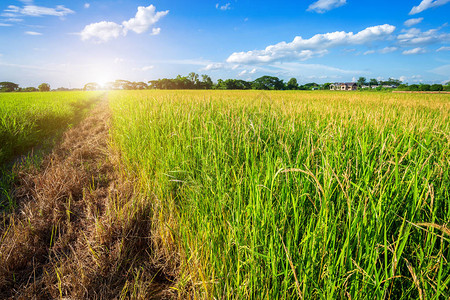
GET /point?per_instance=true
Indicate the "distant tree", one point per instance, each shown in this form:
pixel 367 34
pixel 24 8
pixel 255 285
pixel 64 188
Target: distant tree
pixel 268 83
pixel 403 87
pixel 206 82
pixel 30 89
pixel 373 82
pixel 141 85
pixel 436 87
pixel 91 86
pixel 361 81
pixel 44 87
pixel 308 86
pixel 326 86
pixel 424 87
pixel 414 87
pixel 194 80
pixel 292 84
pixel 7 86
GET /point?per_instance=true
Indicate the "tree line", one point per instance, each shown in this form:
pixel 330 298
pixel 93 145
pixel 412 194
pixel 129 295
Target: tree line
pixel 7 86
pixel 204 82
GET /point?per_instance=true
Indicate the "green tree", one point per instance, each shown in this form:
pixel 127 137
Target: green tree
pixel 44 87
pixel 326 86
pixel 268 83
pixel 373 82
pixel 207 82
pixel 361 81
pixel 91 86
pixel 30 89
pixel 436 88
pixel 292 84
pixel 7 86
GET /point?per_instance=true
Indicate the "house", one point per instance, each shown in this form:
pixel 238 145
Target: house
pixel 347 86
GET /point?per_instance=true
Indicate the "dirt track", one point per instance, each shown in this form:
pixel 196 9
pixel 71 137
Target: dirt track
pixel 79 231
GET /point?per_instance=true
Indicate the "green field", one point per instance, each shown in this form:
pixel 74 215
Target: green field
pixel 249 195
pixel 282 195
pixel 35 120
pixel 26 119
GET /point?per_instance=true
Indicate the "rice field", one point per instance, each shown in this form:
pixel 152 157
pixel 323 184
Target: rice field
pixel 294 195
pixel 28 118
pixel 34 121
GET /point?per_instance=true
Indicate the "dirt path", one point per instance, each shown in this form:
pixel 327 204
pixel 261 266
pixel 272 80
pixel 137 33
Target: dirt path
pixel 80 231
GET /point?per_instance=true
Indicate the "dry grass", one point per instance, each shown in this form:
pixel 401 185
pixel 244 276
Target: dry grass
pixel 81 231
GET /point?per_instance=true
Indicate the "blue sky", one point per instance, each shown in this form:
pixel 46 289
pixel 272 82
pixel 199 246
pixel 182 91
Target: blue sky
pixel 70 43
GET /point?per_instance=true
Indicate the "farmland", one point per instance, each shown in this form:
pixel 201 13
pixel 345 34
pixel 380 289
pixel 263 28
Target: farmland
pixel 252 195
pixel 35 120
pixel 296 195
pixel 27 119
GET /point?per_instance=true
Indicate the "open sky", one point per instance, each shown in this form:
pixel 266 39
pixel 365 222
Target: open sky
pixel 69 43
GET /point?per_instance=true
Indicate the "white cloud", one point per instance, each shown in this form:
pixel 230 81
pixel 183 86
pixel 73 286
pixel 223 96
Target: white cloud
pixel 303 49
pixel 382 51
pixel 5 25
pixel 32 33
pixel 105 31
pixel 412 22
pixel 213 66
pixel 242 73
pixel 443 49
pixel 36 11
pixel 226 6
pixel 147 68
pixel 369 52
pixel 417 50
pixel 87 5
pixel 414 36
pixel 426 4
pixel 102 31
pixel 322 6
pixel 156 31
pixel 253 71
pixel 388 50
pixel 145 17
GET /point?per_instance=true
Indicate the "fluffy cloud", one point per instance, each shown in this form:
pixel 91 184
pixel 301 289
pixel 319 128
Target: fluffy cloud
pixel 414 36
pixel 36 11
pixel 322 6
pixel 213 66
pixel 303 49
pixel 105 31
pixel 242 73
pixel 156 31
pixel 102 31
pixel 388 50
pixel 87 5
pixel 417 50
pixel 145 17
pixel 144 69
pixel 443 49
pixel 382 51
pixel 32 33
pixel 226 6
pixel 412 22
pixel 426 4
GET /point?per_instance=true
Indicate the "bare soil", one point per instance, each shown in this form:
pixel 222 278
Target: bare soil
pixel 80 230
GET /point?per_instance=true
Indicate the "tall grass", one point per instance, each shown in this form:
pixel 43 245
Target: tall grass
pixel 29 120
pixel 285 195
